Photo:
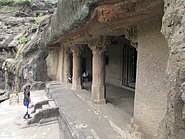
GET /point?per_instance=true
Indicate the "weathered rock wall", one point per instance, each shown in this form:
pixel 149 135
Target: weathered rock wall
pixel 52 63
pixel 30 64
pixel 21 36
pixel 70 15
pixel 60 65
pixel 151 83
pixel 173 30
pixel 113 70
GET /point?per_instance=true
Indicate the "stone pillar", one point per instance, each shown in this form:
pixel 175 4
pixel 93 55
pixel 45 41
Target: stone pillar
pixel 66 65
pixel 98 82
pixel 76 80
pixel 98 46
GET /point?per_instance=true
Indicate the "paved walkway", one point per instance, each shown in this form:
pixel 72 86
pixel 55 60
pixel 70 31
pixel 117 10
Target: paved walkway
pixel 89 121
pixel 13 126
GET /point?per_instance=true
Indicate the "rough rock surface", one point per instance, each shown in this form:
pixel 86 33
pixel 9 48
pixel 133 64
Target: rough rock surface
pixel 20 42
pixel 62 22
pixel 172 27
pixel 31 62
pixel 10 30
pixel 97 15
pixel 173 30
pixel 173 24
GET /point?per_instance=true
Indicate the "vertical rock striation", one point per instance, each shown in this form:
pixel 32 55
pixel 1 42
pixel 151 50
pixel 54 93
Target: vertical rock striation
pixel 173 29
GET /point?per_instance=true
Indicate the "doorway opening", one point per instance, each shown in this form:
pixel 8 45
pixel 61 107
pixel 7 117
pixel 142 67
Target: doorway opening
pixel 129 65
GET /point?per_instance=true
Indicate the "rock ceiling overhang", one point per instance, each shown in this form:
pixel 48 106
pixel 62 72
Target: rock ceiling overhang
pixel 114 19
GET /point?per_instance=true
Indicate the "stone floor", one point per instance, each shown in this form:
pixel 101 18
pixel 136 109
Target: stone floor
pixel 87 120
pixel 13 126
pixel 120 102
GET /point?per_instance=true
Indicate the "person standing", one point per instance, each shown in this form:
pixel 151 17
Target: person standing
pixel 27 100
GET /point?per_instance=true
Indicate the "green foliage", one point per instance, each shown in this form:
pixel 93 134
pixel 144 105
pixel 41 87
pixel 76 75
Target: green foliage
pixel 40 18
pixel 23 40
pixel 6 9
pixel 41 14
pixel 11 63
pixel 4 2
pixel 20 51
pixel 20 1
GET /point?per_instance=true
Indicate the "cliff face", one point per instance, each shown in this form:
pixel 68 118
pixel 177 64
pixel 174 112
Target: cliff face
pixel 29 53
pixel 28 63
pixel 20 33
pixel 173 29
pixel 70 15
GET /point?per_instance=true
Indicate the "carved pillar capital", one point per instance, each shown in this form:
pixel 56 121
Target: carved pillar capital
pixel 67 50
pixel 132 35
pixel 99 44
pixel 66 47
pixel 76 50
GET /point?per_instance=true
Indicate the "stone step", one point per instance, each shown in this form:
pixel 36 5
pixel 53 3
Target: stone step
pixel 52 104
pixel 43 114
pixel 44 111
pixel 46 120
pixel 46 106
pixel 44 102
pixel 37 110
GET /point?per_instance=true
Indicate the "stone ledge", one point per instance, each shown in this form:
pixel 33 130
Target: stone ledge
pixel 44 110
pixel 3 98
pixel 44 114
pixel 64 124
pixel 75 128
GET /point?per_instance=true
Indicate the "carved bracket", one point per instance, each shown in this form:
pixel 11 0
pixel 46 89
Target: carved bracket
pixel 99 44
pixel 67 50
pixel 76 49
pixel 132 35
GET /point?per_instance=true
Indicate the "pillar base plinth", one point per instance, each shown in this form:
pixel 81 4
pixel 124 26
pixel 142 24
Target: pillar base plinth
pixel 98 94
pixel 76 83
pixel 76 88
pixel 65 79
pixel 99 102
